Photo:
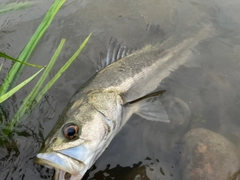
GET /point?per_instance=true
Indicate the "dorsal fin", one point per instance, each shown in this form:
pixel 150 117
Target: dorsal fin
pixel 115 52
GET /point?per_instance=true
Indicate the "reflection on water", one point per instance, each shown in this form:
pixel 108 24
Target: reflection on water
pixel 146 169
pixel 136 172
pixel 197 98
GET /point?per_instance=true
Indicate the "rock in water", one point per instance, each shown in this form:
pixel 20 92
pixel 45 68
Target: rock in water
pixel 208 156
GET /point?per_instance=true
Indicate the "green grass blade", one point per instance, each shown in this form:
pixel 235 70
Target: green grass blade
pixel 28 101
pixel 14 6
pixel 15 89
pixel 1 67
pixel 62 70
pixel 27 51
pixel 15 60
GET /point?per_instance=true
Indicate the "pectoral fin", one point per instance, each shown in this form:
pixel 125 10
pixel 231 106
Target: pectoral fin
pixel 152 109
pixel 149 107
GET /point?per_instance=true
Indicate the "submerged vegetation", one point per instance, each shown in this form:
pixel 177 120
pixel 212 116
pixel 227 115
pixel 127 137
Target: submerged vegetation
pixel 35 95
pixel 14 6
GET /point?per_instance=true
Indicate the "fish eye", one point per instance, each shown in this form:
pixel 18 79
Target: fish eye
pixel 70 130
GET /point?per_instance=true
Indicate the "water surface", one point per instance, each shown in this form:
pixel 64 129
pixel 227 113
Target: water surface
pixel 142 149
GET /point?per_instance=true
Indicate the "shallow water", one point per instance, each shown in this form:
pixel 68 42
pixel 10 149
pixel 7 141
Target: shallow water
pixel 142 149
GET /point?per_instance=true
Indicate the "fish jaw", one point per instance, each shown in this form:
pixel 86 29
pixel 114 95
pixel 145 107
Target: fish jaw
pixel 62 175
pixel 63 165
pixel 73 162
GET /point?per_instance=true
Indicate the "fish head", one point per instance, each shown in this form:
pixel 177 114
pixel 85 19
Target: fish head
pixel 81 135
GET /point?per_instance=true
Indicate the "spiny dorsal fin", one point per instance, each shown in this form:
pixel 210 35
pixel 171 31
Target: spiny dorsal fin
pixel 115 52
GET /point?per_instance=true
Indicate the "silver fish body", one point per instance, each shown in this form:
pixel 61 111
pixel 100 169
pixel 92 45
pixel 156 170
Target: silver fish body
pixel 98 111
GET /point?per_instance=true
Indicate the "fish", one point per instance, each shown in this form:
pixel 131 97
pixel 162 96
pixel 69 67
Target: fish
pixel 126 83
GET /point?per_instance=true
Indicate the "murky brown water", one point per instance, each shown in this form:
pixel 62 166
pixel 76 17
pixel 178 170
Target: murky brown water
pixel 142 149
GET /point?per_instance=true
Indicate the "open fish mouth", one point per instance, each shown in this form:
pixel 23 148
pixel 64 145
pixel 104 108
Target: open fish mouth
pixel 70 163
pixel 62 175
pixel 66 167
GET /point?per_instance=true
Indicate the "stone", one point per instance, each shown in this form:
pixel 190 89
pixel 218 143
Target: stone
pixel 206 155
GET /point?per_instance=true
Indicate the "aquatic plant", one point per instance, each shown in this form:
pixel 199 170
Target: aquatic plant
pixel 35 96
pixel 18 87
pixel 28 49
pixel 16 60
pixel 4 8
pixel 38 90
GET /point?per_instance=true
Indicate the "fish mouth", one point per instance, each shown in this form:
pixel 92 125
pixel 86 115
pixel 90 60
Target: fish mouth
pixel 62 175
pixel 66 167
